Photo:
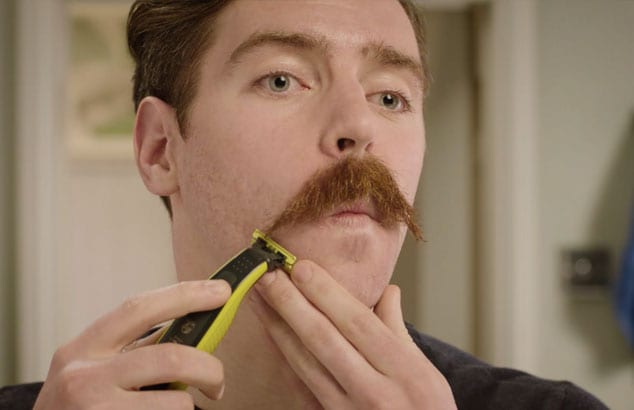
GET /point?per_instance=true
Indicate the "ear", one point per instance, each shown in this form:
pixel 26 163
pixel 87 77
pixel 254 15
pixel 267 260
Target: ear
pixel 156 135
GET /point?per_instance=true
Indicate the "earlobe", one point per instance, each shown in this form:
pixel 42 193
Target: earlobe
pixel 156 134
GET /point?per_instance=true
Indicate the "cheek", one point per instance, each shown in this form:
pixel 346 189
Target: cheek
pixel 212 193
pixel 235 176
pixel 406 161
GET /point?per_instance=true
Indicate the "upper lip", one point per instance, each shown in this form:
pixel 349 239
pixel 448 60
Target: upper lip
pixel 358 207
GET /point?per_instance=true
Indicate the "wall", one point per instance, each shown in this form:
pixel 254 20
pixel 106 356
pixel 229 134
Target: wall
pixel 89 234
pixel 556 161
pixel 437 275
pixel 586 180
pixel 7 289
pixel 116 237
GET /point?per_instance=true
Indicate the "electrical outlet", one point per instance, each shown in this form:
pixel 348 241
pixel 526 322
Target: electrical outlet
pixel 586 267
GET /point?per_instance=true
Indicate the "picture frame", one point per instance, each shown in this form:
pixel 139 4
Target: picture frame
pixel 99 107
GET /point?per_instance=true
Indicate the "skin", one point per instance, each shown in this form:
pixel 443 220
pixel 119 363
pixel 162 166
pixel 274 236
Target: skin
pixel 331 335
pixel 333 96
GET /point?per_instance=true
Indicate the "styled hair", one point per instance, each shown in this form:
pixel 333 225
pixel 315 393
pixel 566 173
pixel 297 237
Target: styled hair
pixel 167 39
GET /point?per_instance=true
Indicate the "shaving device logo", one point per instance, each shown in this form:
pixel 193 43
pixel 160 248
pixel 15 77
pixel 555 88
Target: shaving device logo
pixel 187 327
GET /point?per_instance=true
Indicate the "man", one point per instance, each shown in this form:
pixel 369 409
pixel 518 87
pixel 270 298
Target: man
pixel 304 117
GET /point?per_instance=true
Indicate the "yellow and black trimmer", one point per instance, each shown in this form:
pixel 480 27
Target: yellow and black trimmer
pixel 205 330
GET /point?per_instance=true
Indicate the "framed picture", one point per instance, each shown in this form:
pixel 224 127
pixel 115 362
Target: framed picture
pixel 100 112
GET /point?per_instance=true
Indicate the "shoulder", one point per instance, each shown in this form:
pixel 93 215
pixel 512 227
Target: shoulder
pixel 478 385
pixel 19 396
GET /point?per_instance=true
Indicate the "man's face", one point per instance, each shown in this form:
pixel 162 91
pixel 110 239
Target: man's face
pixel 289 88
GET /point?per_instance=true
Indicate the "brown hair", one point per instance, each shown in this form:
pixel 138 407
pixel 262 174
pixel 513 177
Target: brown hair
pixel 352 179
pixel 167 39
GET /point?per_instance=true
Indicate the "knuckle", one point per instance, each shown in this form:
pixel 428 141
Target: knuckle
pixel 133 304
pixel 218 376
pixel 379 395
pixel 214 374
pixel 319 331
pixel 306 264
pixel 361 322
pixel 186 286
pixel 72 383
pixel 307 361
pixel 188 289
pixel 283 296
pixel 378 402
pixel 62 356
pixel 170 357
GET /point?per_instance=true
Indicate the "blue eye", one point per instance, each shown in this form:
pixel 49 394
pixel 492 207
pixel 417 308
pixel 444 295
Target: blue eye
pixel 279 83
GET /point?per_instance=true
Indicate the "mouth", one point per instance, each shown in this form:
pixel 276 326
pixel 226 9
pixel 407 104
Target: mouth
pixel 369 194
pixel 359 210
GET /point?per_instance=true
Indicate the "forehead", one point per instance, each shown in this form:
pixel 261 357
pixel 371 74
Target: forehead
pixel 344 24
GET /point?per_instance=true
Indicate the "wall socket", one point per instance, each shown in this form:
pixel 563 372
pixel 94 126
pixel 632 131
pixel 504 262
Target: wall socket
pixel 586 268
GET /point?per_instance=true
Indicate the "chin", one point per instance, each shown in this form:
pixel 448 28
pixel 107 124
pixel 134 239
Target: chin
pixel 358 252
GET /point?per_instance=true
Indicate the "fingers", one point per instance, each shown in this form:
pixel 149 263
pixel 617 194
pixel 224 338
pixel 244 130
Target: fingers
pixel 169 362
pixel 102 367
pixel 148 340
pixel 323 331
pixel 315 330
pixel 113 382
pixel 356 322
pixel 319 380
pixel 139 313
pixel 388 309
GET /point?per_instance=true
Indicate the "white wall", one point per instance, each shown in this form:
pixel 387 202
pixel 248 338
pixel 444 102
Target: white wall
pixel 89 234
pixel 586 180
pixel 116 238
pixel 443 296
pixel 557 171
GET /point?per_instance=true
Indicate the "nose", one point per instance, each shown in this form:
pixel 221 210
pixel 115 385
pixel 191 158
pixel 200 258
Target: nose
pixel 348 123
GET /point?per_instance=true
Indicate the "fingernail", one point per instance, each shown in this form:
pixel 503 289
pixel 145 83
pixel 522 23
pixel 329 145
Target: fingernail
pixel 216 285
pixel 302 273
pixel 266 279
pixel 221 392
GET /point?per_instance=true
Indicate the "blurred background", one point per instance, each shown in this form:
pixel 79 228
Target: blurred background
pixel 526 197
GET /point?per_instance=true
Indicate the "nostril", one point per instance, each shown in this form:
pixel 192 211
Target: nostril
pixel 345 143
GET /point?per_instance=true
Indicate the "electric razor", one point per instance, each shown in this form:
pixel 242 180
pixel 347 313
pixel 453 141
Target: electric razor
pixel 204 330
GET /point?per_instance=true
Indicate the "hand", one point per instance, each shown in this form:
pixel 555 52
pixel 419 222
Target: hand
pixel 348 356
pixel 104 367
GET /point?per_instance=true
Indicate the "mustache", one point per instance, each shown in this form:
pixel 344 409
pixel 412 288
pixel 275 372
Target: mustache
pixel 347 181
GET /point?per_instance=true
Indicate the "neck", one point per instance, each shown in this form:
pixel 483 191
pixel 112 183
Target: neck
pixel 256 373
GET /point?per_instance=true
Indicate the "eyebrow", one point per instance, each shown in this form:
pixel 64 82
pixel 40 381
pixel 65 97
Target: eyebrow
pixel 381 53
pixel 389 56
pixel 294 40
